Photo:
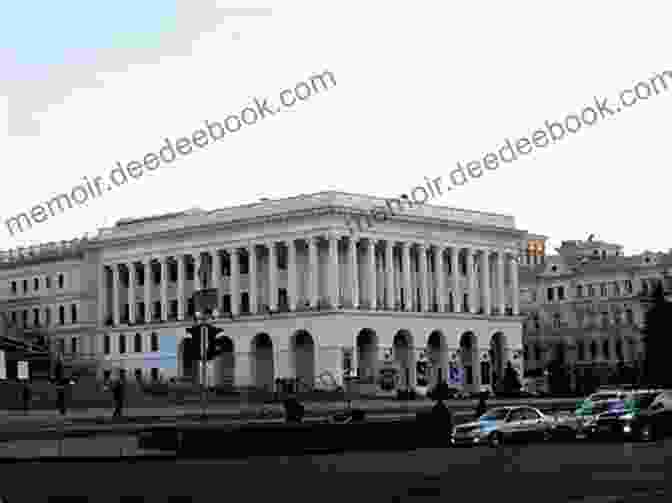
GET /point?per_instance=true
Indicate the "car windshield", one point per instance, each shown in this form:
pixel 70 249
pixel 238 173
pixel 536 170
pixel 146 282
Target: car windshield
pixel 644 401
pixel 495 415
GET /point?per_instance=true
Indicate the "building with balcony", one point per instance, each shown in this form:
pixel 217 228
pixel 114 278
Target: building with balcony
pixel 585 310
pixel 300 293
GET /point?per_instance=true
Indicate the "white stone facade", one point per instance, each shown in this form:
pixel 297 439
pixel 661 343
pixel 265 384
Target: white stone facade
pixel 315 287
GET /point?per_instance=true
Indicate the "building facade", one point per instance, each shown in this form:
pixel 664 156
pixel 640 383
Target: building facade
pixel 300 293
pixel 585 309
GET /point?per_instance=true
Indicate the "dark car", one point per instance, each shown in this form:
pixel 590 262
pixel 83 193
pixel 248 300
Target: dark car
pixel 642 416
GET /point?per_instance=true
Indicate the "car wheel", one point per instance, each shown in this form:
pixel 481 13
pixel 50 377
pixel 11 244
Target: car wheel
pixel 646 433
pixel 495 439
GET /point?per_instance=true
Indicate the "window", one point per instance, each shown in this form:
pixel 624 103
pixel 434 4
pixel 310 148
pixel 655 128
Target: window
pixel 245 302
pixel 73 313
pixel 122 344
pixel 73 345
pixel 617 289
pixel 190 307
pixel 593 350
pixel 549 294
pixel 25 286
pixel 14 287
pixel 138 375
pixel 628 286
pixel 605 320
pixel 137 343
pixel 141 311
pixel 226 303
pixel 106 344
pixel 107 374
pixel 61 346
pixel 61 315
pixel 225 265
pixel 47 316
pixel 605 350
pixel 14 317
pixel 36 317
pixel 629 317
pixel 61 281
pixel 154 374
pixel 561 293
pixel 581 351
pixel 173 309
pixel 244 263
pixel 47 282
pixel 36 284
pixel 282 257
pixel 556 321
pixel 154 342
pixel 603 290
pixel 190 271
pixel 155 272
pixel 579 291
pixel 172 272
pixel 157 310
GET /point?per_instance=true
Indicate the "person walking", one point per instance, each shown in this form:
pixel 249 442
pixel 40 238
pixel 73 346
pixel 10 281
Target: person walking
pixel 118 394
pixel 482 405
pixel 60 397
pixel 26 395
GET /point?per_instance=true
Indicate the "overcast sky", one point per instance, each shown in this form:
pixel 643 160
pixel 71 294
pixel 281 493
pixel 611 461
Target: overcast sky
pixel 420 87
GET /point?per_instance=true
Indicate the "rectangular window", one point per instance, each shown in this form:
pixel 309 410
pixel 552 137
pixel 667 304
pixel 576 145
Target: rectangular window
pixel 122 344
pixel 47 316
pixel 549 294
pixel 157 310
pixel 36 284
pixel 73 313
pixel 561 293
pixel 25 286
pixel 172 272
pixel 155 374
pixel 225 265
pixel 138 375
pixel 173 308
pixel 190 307
pixel 190 271
pixel 73 345
pixel 36 317
pixel 245 302
pixel 226 303
pixel 61 315
pixel 244 263
pixel 106 344
pixel 24 317
pixel 47 282
pixel 137 343
pixel 14 287
pixel 61 346
pixel 154 342
pixel 282 258
pixel 61 281
pixel 14 317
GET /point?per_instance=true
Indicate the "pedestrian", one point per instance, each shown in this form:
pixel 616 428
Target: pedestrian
pixel 60 397
pixel 118 394
pixel 26 393
pixel 482 405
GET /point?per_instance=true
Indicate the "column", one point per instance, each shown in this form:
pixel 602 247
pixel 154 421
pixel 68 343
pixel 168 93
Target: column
pixel 438 273
pixel 216 276
pixel 164 288
pixel 197 267
pixel 457 287
pixel 147 264
pixel 102 296
pixel 234 280
pixel 515 294
pixel 312 275
pixel 333 270
pixel 501 289
pixel 131 292
pixel 485 282
pixel 252 278
pixel 424 279
pixel 180 286
pixel 354 273
pixel 406 258
pixel 291 275
pixel 372 272
pixel 471 280
pixel 389 275
pixel 272 277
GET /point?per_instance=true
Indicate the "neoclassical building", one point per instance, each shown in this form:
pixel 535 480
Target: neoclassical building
pixel 585 307
pixel 301 294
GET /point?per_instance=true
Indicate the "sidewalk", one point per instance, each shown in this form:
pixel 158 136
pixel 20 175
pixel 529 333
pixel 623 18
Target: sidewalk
pixel 250 411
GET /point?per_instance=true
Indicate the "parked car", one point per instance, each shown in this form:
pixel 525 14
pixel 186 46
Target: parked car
pixel 504 424
pixel 570 426
pixel 618 421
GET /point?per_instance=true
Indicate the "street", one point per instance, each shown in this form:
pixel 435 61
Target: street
pixel 578 472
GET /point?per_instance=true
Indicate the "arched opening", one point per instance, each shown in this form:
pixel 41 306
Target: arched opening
pixel 303 351
pixel 263 372
pixel 469 361
pixel 402 352
pixel 189 354
pixel 367 355
pixel 437 353
pixel 498 357
pixel 225 364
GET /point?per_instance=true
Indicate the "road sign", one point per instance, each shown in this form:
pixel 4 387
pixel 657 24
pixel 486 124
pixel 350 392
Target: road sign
pixel 22 370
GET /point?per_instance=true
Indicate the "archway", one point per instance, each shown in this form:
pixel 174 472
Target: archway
pixel 498 357
pixel 263 371
pixel 188 356
pixel 225 364
pixel 402 352
pixel 367 355
pixel 437 353
pixel 469 361
pixel 303 352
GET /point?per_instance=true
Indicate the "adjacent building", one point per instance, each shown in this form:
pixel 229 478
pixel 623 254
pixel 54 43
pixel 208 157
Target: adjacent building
pixel 301 294
pixel 585 310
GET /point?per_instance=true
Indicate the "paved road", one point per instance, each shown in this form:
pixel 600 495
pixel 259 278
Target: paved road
pixel 549 473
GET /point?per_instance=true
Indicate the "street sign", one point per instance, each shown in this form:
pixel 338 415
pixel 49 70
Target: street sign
pixel 22 370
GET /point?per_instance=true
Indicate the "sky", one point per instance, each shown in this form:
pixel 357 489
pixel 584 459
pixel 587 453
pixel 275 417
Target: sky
pixel 419 88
